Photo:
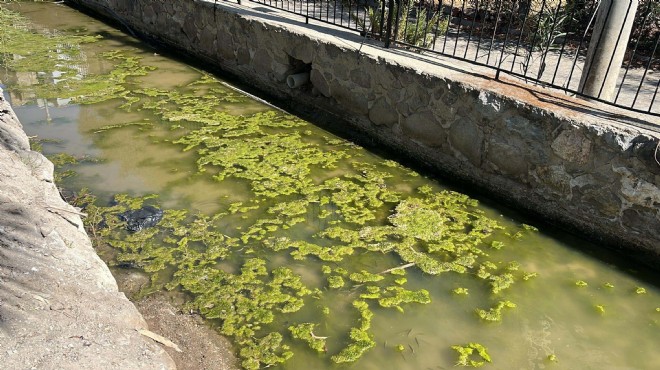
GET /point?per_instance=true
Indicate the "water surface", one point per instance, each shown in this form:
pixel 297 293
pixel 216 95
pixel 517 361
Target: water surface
pixel 577 306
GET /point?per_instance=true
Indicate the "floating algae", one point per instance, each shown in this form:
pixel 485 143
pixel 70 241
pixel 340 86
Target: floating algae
pixel 434 231
pixel 327 243
pixel 55 58
pixel 472 354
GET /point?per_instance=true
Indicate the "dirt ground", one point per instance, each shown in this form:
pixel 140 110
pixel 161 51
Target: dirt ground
pixel 201 346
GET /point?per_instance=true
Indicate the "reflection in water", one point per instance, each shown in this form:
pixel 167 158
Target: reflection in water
pixel 556 324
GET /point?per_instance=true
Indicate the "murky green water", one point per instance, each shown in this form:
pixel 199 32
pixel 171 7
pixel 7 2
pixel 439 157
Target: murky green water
pixel 263 188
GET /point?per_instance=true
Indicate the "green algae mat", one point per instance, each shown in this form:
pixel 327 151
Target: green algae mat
pixel 303 248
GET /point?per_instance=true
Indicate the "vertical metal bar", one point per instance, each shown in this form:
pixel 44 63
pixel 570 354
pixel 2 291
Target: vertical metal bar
pixel 419 8
pixel 404 12
pixel 388 29
pixel 459 28
pixel 428 23
pixel 481 34
pixel 382 20
pixel 522 32
pixel 563 44
pixel 492 40
pixel 350 10
pixel 632 56
pixel 341 12
pixel 396 22
pixel 327 12
pixel 437 23
pixel 547 45
pixel 506 38
pixel 364 21
pixel 655 94
pixel 451 13
pixel 594 8
pixel 536 32
pixel 648 66
pixel 474 20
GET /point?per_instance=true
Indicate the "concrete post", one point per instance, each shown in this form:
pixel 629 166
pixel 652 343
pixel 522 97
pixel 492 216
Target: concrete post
pixel 614 22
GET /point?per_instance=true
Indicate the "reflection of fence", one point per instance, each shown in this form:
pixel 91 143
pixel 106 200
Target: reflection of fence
pixel 547 42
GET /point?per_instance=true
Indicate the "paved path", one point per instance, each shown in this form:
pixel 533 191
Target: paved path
pixel 562 66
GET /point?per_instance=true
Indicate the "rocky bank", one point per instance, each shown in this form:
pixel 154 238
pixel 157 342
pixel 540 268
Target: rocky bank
pixel 60 307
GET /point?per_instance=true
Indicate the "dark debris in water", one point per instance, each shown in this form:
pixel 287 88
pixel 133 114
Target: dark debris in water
pixel 138 219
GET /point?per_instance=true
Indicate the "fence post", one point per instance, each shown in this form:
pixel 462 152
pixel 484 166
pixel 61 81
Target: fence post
pixel 614 21
pixel 388 29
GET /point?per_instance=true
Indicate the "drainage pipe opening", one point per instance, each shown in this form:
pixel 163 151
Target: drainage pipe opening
pixel 296 80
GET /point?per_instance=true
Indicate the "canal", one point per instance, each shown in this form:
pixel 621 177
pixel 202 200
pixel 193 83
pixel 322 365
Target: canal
pixel 305 249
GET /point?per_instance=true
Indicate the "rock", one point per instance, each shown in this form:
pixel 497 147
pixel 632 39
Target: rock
pixel 572 146
pixel 422 127
pixel 381 113
pixel 319 82
pixel 142 218
pixel 507 155
pixel 467 138
pixel 636 190
pixel 62 309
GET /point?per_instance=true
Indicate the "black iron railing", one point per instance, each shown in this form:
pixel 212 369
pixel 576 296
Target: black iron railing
pixel 546 42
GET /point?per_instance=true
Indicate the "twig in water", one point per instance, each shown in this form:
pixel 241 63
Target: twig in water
pixel 411 264
pixel 66 210
pixel 316 337
pixel 160 339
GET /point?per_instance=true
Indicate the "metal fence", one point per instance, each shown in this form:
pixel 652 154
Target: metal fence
pixel 547 42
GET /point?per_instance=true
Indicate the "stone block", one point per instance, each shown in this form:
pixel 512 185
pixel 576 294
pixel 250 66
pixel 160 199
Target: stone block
pixel 305 51
pixel 422 127
pixel 556 181
pixel 189 29
pixel 417 97
pixel 280 71
pixel 361 78
pixel 382 113
pixel 354 101
pixel 450 97
pixel 508 156
pixel 571 145
pixel 243 56
pixel 319 82
pixel 261 63
pixel 523 127
pixel 488 104
pixel 639 219
pixel 467 137
pixel 149 14
pixel 602 200
pixel 637 191
pixel 207 40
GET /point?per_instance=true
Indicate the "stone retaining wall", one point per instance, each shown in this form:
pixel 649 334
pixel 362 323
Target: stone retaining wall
pixel 533 149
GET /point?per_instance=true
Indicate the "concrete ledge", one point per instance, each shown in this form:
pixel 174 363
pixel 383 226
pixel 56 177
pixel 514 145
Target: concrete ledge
pixel 59 304
pixel 583 166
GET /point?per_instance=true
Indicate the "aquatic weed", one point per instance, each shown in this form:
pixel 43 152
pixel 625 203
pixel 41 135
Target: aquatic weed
pixel 468 357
